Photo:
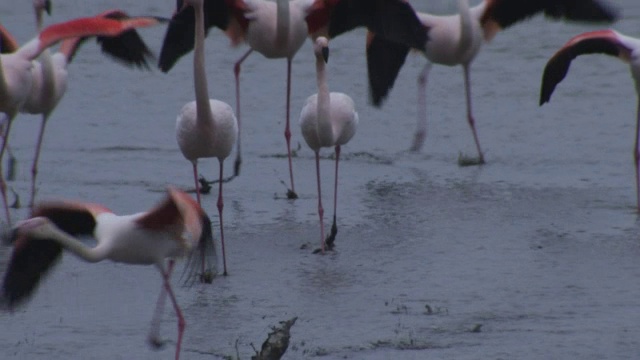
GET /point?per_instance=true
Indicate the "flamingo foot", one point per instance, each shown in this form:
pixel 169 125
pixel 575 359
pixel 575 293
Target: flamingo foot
pixel 205 186
pixel 418 141
pixel 465 160
pixel 155 342
pixel 291 195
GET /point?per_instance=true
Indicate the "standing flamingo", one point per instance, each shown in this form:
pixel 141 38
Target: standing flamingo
pixel 175 227
pixel 278 30
pixel 205 127
pixel 16 78
pixel 327 119
pixel 457 39
pixel 608 42
pixel 50 73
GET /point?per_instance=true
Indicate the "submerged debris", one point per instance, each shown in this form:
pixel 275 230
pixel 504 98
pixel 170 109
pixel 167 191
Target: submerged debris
pixel 277 342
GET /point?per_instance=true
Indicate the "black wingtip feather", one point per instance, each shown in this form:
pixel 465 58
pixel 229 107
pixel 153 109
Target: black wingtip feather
pixel 31 260
pixel 202 262
pixel 179 39
pixel 385 58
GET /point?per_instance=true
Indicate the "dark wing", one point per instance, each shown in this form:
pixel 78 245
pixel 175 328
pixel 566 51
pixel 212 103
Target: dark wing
pixel 507 12
pixel 33 257
pixel 128 47
pixel 384 61
pixel 180 36
pixel 8 43
pixel 601 42
pixel 394 20
pixel 179 213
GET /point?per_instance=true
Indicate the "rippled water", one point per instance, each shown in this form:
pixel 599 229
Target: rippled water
pixel 533 255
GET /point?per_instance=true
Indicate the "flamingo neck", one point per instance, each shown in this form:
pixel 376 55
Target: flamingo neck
pixel 324 102
pixel 466 26
pixel 282 22
pixel 76 247
pixel 203 108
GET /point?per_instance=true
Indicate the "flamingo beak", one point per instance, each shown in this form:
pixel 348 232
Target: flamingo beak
pixel 47 7
pixel 325 54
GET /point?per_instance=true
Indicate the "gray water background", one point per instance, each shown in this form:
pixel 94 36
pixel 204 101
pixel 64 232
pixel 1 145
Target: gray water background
pixel 538 250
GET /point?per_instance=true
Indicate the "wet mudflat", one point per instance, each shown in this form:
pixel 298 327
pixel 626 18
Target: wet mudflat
pixel 533 255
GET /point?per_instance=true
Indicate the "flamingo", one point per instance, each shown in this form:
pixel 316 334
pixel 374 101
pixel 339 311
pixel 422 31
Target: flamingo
pixel 175 227
pixel 205 127
pixel 327 119
pixel 16 77
pixel 608 42
pixel 457 39
pixel 278 30
pixel 49 72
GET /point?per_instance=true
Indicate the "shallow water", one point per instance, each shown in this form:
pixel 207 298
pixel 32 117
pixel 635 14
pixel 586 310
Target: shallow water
pixel 537 250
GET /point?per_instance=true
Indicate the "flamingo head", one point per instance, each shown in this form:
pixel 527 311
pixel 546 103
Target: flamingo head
pixel 39 227
pixel 39 6
pixel 321 48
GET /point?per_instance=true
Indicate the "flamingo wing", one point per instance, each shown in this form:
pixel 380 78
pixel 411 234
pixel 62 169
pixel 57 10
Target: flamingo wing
pixel 602 42
pixel 8 43
pixel 392 19
pixel 128 47
pixel 179 214
pixel 33 257
pixel 500 14
pixel 385 58
pixel 180 36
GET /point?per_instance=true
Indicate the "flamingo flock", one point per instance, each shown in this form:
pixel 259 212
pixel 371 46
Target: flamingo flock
pixel 33 80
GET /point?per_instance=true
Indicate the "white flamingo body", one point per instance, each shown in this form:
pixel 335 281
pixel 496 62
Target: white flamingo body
pixel 204 140
pixel 454 39
pixel 48 85
pixel 262 32
pixel 205 127
pixel 342 121
pixel 121 240
pixel 327 119
pixel 15 83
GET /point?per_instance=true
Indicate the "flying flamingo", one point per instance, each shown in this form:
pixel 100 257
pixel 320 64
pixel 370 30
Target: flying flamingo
pixel 277 30
pixel 457 39
pixel 50 72
pixel 16 79
pixel 608 42
pixel 177 226
pixel 327 119
pixel 205 127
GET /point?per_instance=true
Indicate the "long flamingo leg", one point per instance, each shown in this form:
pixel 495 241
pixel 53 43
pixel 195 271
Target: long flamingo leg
pixel 181 322
pixel 154 331
pixel 421 125
pixel 220 205
pixel 470 119
pixel 636 155
pixel 320 209
pixel 236 72
pixel 330 241
pixel 36 158
pixel 3 183
pixel 195 178
pixel 291 194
